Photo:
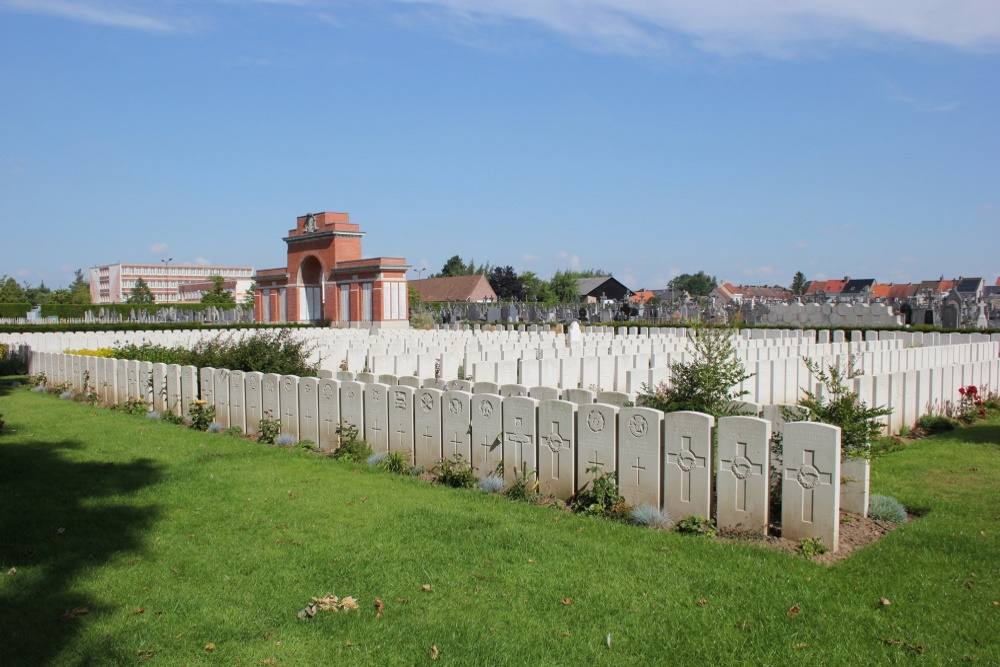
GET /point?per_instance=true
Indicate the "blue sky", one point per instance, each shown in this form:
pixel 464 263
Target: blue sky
pixel 644 137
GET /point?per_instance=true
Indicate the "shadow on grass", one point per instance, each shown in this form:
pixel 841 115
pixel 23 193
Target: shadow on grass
pixel 988 434
pixel 58 519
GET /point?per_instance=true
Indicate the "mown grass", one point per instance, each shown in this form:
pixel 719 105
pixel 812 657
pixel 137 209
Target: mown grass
pixel 175 540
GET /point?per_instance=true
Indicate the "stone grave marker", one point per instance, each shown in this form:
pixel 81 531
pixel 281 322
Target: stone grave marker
pixel 159 387
pixel 639 466
pixel 618 398
pixel 580 396
pixel 427 427
pixel 377 416
pixel 512 390
pixel 252 382
pixel 486 388
pixel 172 380
pixel 389 379
pixel 352 406
pixel 411 381
pixel 597 438
pixel 401 416
pixel 189 388
pixel 545 393
pixel 345 376
pixel 456 424
pixel 460 385
pixel 288 389
pixel 855 480
pixel 520 437
pixel 328 394
pixel 270 396
pixel 145 380
pixel 743 474
pixel 810 483
pixel 556 448
pixel 221 389
pixel 687 465
pixel 132 382
pixel 487 427
pixel 309 409
pixel 365 378
pixel 206 386
pixel 238 400
pixel 110 395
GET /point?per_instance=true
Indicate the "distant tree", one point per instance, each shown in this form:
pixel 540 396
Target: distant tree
pixel 799 284
pixel 413 298
pixel 699 284
pixel 140 293
pixel 79 289
pixel 564 286
pixel 37 295
pixel 536 289
pixel 589 273
pixel 248 300
pixel 455 266
pixel 506 283
pixel 218 295
pixel 11 292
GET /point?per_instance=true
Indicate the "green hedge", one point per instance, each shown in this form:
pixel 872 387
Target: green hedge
pixel 14 309
pixel 63 327
pixel 75 310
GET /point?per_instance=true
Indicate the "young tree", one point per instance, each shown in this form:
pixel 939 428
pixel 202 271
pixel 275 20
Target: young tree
pixel 707 383
pixel 37 295
pixel 248 300
pixel 140 293
pixel 455 266
pixel 506 283
pixel 536 289
pixel 799 284
pixel 564 286
pixel 79 289
pixel 11 292
pixel 218 295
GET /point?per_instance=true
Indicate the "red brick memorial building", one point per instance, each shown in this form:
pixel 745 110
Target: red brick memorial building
pixel 326 279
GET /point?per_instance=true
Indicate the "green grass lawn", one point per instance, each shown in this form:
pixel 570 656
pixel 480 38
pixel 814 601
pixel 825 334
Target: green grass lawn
pixel 174 540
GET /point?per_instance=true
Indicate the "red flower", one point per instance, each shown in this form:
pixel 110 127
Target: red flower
pixel 961 390
pixel 982 413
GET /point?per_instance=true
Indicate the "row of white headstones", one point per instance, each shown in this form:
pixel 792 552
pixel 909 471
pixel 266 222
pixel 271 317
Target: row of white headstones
pixel 664 460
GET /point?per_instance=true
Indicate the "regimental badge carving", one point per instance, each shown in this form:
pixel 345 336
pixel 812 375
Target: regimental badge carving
pixel 595 421
pixel 426 402
pixel 686 460
pixel 399 400
pixel 253 384
pixel 455 406
pixel 288 384
pixel 807 476
pixel 327 391
pixel 638 426
pixel 486 409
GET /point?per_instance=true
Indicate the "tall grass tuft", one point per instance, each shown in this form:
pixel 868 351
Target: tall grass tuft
pixel 376 458
pixel 651 516
pixel 215 427
pixel 491 484
pixel 67 395
pixel 284 440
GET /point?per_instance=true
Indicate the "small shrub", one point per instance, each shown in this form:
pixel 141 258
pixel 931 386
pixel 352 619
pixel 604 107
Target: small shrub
pixel 307 445
pixel 455 472
pixel 600 496
pixel 268 429
pixel 374 459
pixel 215 427
pixel 172 418
pixel 523 488
pixel 395 462
pixel 621 512
pixel 233 431
pixel 351 447
pixel 202 415
pixel 810 547
pixel 970 404
pixel 491 484
pixel 38 389
pixel 37 380
pixel 651 516
pixel 937 423
pixel 152 414
pixel 67 395
pixel 133 406
pixel 886 508
pixel 284 440
pixel 697 525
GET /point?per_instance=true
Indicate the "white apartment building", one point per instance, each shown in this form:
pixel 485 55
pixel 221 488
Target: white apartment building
pixel 112 283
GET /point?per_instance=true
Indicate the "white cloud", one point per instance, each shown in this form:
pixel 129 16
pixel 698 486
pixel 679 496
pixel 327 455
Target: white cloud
pixel 99 12
pixel 158 248
pixel 772 27
pixel 201 261
pixel 22 273
pixel 897 94
pixel 801 245
pixel 759 271
pixel 531 257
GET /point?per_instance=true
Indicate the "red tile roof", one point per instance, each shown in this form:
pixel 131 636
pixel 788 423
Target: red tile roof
pixel 455 288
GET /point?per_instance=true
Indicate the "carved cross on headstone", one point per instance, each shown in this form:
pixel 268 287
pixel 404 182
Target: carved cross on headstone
pixel 456 443
pixel 687 461
pixel 556 443
pixel 808 477
pixel 638 470
pixel 330 426
pixel 520 439
pixel 400 432
pixel 427 436
pixel 742 468
pixel 376 428
pixel 596 461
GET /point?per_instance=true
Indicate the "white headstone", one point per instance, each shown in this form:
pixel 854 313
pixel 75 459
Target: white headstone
pixel 377 416
pixel 252 382
pixel 352 406
pixel 456 424
pixel 206 386
pixel 810 483
pixel 309 409
pixel 237 400
pixel 172 377
pixel 743 475
pixel 427 427
pixel 401 420
pixel 288 389
pixel 556 448
pixel 639 465
pixel 520 437
pixel 487 437
pixel 189 388
pixel 221 389
pixel 329 413
pixel 270 396
pixel 597 433
pixel 855 478
pixel 687 465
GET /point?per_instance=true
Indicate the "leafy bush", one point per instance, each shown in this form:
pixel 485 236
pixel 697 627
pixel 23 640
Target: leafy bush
pixel 810 547
pixel 859 424
pixel 268 429
pixel 491 484
pixel 455 472
pixel 651 516
pixel 886 508
pixel 706 383
pixel 202 415
pixel 133 406
pixel 601 495
pixel 937 423
pixel 233 431
pixel 350 445
pixel 970 404
pixel 172 418
pixel 697 525
pixel 523 488
pixel 284 440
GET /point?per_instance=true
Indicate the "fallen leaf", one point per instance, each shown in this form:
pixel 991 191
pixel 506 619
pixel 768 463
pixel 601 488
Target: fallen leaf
pixel 348 603
pixel 607 640
pixel 801 646
pixel 348 643
pixel 702 603
pixel 434 653
pixel 794 611
pixel 140 610
pixel 174 570
pixel 565 634
pixel 531 560
pixel 73 613
pixel 567 601
pixel 402 600
pixel 427 587
pixel 210 646
pixel 268 635
pixel 996 603
pixel 884 602
pixel 60 531
pixel 12 570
